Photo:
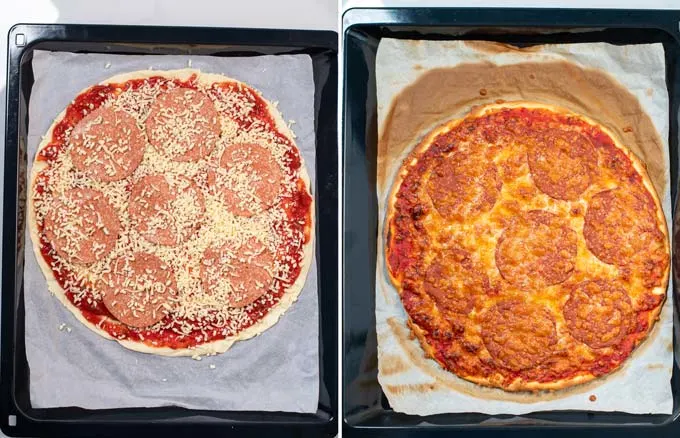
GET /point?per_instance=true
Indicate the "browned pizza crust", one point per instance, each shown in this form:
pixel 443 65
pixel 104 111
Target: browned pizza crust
pixel 504 318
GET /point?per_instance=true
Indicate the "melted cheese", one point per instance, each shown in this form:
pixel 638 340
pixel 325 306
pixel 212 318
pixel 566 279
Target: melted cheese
pixel 479 234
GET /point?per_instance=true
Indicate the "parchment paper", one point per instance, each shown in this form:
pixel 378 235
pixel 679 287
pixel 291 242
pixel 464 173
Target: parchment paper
pixel 276 371
pixel 421 84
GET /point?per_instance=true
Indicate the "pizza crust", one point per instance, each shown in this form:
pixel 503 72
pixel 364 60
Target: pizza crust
pixel 291 293
pixel 388 230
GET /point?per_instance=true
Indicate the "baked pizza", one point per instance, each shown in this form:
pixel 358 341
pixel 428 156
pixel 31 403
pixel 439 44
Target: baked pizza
pixel 171 211
pixel 528 246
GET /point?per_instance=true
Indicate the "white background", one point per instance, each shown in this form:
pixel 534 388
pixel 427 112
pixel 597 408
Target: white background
pixel 295 14
pixel 303 14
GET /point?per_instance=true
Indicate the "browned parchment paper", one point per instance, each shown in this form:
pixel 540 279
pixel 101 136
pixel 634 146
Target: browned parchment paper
pixel 421 84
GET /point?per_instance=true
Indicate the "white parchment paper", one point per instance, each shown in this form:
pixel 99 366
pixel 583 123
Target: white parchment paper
pixel 643 384
pixel 276 371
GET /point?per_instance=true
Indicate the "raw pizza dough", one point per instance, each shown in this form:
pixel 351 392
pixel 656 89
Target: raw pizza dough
pixel 288 292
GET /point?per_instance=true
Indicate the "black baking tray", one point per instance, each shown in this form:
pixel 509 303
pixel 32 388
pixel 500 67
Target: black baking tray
pixel 18 418
pixel 366 411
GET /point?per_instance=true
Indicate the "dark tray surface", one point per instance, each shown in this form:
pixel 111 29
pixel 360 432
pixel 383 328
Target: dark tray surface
pixel 365 408
pixel 14 401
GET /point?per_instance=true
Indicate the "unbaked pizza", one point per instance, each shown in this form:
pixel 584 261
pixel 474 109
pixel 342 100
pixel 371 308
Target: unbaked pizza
pixel 171 211
pixel 528 246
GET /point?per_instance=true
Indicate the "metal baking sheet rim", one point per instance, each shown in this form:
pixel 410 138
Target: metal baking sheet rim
pixel 22 40
pixel 665 21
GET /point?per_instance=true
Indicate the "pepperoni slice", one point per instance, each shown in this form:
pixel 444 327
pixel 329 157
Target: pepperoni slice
pixel 619 227
pixel 537 249
pixel 454 281
pixel 183 124
pixel 166 210
pixel 463 185
pixel 82 226
pixel 519 335
pixel 250 180
pixel 107 145
pixel 562 163
pixel 598 313
pixel 138 289
pixel 242 271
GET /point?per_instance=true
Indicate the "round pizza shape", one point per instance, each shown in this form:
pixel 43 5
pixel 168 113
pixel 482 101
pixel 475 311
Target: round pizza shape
pixel 528 246
pixel 171 211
